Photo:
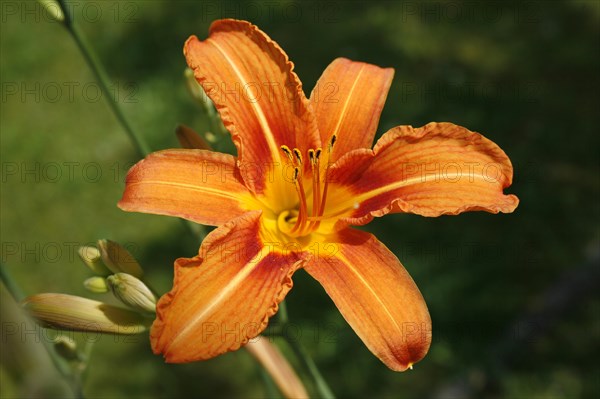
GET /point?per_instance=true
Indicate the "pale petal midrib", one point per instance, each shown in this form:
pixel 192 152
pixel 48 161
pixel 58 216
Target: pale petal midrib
pixel 399 184
pixel 202 189
pixel 347 102
pixel 262 120
pixel 371 290
pixel 240 276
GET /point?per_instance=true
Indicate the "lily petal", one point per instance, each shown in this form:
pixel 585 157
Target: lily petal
pixel 376 296
pixel 440 168
pixel 260 99
pixel 348 100
pixel 198 185
pixel 224 296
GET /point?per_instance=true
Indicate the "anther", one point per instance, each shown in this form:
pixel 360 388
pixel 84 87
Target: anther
pixel 311 156
pixel 298 156
pixel 318 153
pixel 296 173
pixel 332 141
pixel 287 152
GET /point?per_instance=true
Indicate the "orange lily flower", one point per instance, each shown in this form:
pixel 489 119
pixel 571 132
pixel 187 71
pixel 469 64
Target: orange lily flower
pixel 304 173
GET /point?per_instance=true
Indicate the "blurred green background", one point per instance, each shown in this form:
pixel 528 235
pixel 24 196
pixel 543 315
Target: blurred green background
pixel 513 298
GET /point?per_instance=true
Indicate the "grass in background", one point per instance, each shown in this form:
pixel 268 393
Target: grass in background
pixel 511 296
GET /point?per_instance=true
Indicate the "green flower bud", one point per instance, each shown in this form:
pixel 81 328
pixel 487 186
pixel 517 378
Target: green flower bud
pixel 73 313
pixel 118 259
pixel 97 285
pixel 92 259
pixel 66 347
pixel 132 292
pixel 53 9
pixel 195 90
pixel 211 137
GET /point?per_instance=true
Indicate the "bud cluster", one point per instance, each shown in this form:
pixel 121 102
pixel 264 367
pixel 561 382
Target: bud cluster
pixel 115 271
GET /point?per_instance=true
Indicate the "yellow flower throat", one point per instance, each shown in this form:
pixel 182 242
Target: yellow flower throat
pixel 307 218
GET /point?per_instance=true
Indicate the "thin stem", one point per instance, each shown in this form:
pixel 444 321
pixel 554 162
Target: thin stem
pixel 275 330
pixel 17 294
pixel 279 330
pixel 270 388
pixel 141 145
pixel 214 121
pixel 282 314
pixel 9 283
pixel 95 65
pixel 307 361
pixel 79 370
pixel 102 78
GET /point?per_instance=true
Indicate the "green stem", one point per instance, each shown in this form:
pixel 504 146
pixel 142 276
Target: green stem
pixel 275 330
pixel 307 361
pixel 102 78
pixel 9 283
pixel 282 314
pixel 140 144
pixel 80 369
pixel 17 294
pixel 271 390
pixel 279 330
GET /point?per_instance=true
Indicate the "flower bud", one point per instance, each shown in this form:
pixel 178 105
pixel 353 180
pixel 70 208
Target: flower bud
pixel 132 292
pixel 118 259
pixel 66 347
pixel 54 10
pixel 211 137
pixel 195 90
pixel 97 285
pixel 92 259
pixel 73 313
pixel 188 138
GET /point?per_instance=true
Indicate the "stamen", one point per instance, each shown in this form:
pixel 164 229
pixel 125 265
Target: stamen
pixel 302 216
pixel 329 216
pixel 287 152
pixel 318 153
pixel 298 156
pixel 316 181
pixel 325 179
pixel 324 198
pixel 319 166
pixel 332 142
